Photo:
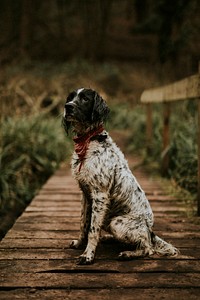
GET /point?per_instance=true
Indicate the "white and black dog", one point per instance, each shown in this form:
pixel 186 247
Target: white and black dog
pixel 112 198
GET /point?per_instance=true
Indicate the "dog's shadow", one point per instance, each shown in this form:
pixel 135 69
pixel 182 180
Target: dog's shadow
pixel 110 248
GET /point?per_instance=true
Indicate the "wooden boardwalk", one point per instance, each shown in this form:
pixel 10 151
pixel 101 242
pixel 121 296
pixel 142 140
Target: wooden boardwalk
pixel 36 262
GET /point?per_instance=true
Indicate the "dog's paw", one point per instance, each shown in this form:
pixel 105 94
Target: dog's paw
pixel 85 260
pixel 76 244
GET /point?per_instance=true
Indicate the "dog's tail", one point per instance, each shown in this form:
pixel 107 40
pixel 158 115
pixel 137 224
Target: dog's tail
pixel 163 248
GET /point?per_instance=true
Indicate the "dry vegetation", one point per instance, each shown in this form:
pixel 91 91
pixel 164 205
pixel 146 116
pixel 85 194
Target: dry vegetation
pixel 28 87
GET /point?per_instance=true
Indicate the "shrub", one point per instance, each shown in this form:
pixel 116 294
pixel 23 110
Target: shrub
pixel 32 148
pixel 183 150
pixel 183 138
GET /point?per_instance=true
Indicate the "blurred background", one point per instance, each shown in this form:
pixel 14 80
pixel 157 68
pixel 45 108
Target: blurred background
pixel 152 31
pixel 119 48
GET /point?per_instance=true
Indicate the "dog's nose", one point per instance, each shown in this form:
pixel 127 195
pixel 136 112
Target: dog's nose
pixel 69 108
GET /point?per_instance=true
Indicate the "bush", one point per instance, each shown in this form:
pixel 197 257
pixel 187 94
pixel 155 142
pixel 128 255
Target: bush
pixel 183 150
pixel 32 148
pixel 183 138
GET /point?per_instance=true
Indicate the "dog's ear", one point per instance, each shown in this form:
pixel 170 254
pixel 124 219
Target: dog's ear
pixel 100 109
pixel 66 125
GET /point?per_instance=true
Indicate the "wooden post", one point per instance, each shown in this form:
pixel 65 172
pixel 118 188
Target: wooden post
pixel 166 139
pixel 198 132
pixel 149 129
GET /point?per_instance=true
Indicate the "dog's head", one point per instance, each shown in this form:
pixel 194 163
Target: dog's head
pixel 84 109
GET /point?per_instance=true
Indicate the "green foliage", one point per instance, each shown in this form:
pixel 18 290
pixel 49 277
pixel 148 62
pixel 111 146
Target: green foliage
pixel 183 138
pixel 183 150
pixel 31 149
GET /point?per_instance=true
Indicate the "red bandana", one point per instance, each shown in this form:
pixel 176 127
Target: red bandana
pixel 82 143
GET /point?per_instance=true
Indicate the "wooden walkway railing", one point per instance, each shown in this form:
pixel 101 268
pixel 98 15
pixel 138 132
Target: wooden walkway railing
pixel 36 262
pixel 188 88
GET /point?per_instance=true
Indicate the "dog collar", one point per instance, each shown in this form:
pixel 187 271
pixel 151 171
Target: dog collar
pixel 82 142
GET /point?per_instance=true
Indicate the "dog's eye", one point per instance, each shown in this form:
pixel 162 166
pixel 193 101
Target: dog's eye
pixel 85 99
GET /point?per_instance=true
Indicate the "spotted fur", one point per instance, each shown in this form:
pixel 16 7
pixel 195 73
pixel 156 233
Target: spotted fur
pixel 112 198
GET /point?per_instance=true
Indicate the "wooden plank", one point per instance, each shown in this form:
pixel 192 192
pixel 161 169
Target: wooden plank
pixel 187 88
pixel 36 254
pixel 58 197
pixel 58 203
pixel 51 201
pixel 54 234
pixel 66 208
pixel 45 219
pixel 99 281
pixel 42 234
pixel 106 266
pixel 102 253
pixel 52 214
pixel 155 195
pixel 102 294
pixel 63 208
pixel 163 226
pixel 165 198
pixel 30 243
pixel 175 211
pixel 47 226
pixel 26 243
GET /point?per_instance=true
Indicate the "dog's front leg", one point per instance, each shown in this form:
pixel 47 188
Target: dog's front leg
pixel 99 207
pixel 86 208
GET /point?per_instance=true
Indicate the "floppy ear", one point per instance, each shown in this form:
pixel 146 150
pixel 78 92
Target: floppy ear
pixel 100 109
pixel 66 125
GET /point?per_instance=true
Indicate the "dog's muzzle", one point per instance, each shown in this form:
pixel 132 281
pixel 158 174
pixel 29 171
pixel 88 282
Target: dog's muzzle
pixel 69 110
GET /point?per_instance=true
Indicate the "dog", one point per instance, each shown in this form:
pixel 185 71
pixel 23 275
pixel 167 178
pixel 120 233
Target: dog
pixel 112 199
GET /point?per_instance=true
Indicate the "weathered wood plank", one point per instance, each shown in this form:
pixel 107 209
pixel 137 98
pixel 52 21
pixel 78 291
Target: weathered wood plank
pixel 52 202
pixel 187 88
pixel 157 212
pixel 149 190
pixel 25 243
pixel 168 203
pixel 106 266
pixel 76 201
pixel 102 253
pixel 63 208
pixel 45 219
pixel 42 234
pixel 103 294
pixel 68 208
pixel 164 226
pixel 60 219
pixel 105 280
pixel 52 214
pixel 58 197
